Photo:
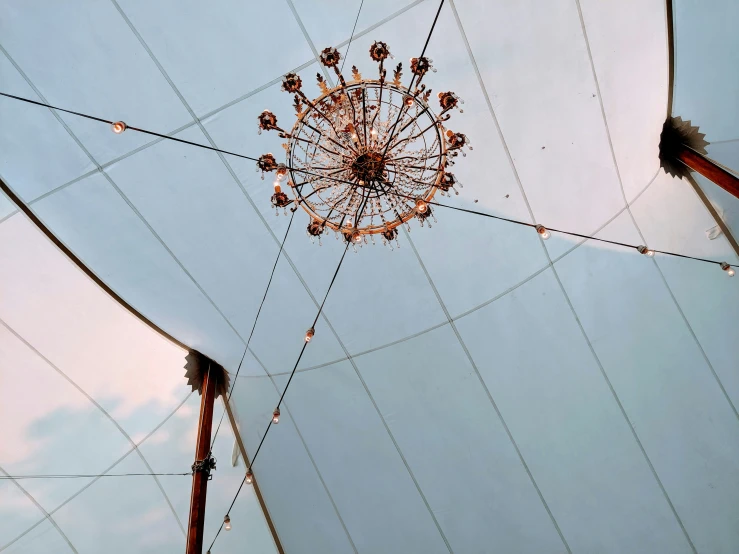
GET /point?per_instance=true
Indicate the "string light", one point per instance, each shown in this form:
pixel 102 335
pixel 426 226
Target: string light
pixel 249 477
pixel 309 334
pixel 543 233
pixel 118 127
pixel 227 523
pixel 646 251
pixel 276 416
pixel 728 269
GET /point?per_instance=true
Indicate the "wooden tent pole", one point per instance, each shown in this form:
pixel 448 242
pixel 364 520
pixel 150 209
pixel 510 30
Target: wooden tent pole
pixel 202 466
pixel 708 168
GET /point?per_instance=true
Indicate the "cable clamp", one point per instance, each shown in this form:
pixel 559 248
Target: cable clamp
pixel 206 465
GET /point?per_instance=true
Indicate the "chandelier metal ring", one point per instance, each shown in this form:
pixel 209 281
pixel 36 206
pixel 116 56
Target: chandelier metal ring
pixel 360 166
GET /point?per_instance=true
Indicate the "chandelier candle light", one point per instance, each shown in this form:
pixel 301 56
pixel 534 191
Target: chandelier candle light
pixel 367 155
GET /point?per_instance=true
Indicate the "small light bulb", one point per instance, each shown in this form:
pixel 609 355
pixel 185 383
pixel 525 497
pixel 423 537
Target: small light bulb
pixel 543 232
pixel 309 334
pixel 408 100
pixel 421 206
pixel 373 131
pixel 646 251
pixel 276 416
pixel 728 269
pixel 118 127
pixel 278 188
pixel 356 237
pixel 249 477
pixel 227 523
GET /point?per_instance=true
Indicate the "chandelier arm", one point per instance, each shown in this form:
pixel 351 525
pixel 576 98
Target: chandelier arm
pixel 412 137
pixel 343 88
pixel 379 105
pixel 409 138
pixel 412 158
pixel 325 168
pixel 318 111
pixel 317 190
pixel 415 180
pixel 364 113
pixel 416 167
pixel 419 114
pixel 340 145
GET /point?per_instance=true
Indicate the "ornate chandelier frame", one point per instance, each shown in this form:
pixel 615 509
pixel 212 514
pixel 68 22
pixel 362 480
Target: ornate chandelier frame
pixel 365 156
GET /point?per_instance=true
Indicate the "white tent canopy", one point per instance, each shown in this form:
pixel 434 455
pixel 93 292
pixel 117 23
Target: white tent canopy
pixel 475 390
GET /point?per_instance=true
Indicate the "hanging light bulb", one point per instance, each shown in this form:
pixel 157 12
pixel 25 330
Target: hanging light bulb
pixel 278 188
pixel 408 100
pixel 728 269
pixel 309 334
pixel 373 132
pixel 276 416
pixel 421 205
pixel 227 523
pixel 249 477
pixel 646 251
pixel 118 127
pixel 543 232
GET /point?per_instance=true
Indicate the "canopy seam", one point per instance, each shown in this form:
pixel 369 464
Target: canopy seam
pixel 99 407
pixel 47 515
pixel 93 481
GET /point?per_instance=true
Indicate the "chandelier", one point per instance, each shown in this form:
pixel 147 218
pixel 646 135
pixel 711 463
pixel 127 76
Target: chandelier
pixel 367 155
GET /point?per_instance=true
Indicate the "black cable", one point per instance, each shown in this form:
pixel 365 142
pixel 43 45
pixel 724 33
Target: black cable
pixel 254 326
pixel 351 37
pixel 159 135
pixel 206 147
pixel 413 79
pixel 292 374
pixel 571 233
pixel 87 476
pixel 28 100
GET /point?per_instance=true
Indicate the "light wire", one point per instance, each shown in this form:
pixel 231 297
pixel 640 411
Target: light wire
pixel 282 396
pixel 88 476
pixel 254 326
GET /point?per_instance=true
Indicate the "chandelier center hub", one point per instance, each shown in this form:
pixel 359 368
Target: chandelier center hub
pixel 368 167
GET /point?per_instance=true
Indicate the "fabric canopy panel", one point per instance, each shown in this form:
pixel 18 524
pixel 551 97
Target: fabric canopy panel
pixel 89 390
pixel 475 390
